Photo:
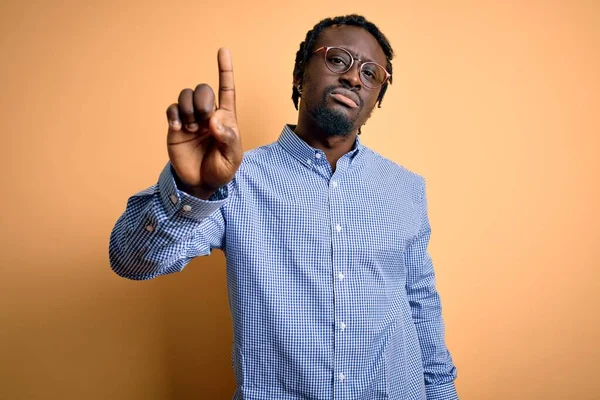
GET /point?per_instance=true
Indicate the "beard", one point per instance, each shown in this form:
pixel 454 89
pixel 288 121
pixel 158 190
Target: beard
pixel 332 122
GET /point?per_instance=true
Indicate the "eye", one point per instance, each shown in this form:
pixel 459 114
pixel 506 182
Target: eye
pixel 337 60
pixel 373 73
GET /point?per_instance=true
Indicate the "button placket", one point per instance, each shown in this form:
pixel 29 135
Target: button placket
pixel 342 297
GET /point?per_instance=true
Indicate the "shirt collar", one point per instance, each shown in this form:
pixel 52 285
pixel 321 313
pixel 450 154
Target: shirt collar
pixel 302 151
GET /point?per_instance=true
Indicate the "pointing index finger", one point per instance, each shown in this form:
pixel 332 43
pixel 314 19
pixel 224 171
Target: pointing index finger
pixel 226 84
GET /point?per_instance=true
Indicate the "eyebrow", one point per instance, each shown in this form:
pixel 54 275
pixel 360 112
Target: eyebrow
pixel 361 57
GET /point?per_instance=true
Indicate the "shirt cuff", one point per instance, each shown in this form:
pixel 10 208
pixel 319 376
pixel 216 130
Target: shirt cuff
pixel 446 391
pixel 177 202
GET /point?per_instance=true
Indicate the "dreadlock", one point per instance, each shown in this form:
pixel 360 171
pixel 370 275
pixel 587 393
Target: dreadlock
pixel 306 47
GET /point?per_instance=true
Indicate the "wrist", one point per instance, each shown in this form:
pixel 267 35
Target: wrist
pixel 202 192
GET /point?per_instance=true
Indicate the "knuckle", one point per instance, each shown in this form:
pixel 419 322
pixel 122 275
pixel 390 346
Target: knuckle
pixel 203 87
pixel 172 110
pixel 204 107
pixel 187 112
pixel 204 99
pixel 203 110
pixel 185 94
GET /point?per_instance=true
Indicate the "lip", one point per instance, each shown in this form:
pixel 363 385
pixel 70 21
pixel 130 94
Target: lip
pixel 346 96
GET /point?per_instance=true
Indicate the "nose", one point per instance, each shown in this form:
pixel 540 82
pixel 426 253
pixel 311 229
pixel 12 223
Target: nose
pixel 351 78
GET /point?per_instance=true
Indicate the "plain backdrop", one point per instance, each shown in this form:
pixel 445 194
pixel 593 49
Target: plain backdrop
pixel 495 103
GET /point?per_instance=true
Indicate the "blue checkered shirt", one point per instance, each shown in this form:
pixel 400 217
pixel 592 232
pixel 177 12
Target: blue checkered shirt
pixel 331 287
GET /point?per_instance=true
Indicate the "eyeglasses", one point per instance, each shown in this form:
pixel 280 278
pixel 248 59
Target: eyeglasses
pixel 339 61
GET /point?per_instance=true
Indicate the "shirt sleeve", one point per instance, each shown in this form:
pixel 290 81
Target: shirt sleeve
pixel 163 228
pixel 424 300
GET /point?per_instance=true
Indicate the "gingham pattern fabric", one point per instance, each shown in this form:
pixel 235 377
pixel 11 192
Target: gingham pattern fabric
pixel 331 288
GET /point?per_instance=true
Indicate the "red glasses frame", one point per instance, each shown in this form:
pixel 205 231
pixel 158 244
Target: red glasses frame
pixel 327 48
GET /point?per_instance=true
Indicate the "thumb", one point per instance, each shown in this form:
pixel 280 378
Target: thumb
pixel 224 135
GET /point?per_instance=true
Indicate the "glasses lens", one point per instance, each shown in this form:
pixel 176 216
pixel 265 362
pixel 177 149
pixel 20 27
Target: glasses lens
pixel 338 60
pixel 373 75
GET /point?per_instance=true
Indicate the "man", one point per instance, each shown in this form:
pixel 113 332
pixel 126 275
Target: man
pixel 330 284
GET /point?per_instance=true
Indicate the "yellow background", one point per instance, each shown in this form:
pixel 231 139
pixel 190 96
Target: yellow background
pixel 495 103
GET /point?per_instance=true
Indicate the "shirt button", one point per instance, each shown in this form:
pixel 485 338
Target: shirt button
pixel 342 376
pixel 174 198
pixel 342 326
pixel 341 276
pixel 318 155
pixel 338 228
pixel 334 184
pixel 187 208
pixel 309 161
pixel 149 228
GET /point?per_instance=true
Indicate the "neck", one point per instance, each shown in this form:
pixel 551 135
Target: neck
pixel 334 147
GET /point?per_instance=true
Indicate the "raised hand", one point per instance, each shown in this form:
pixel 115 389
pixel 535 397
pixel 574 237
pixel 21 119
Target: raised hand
pixel 203 140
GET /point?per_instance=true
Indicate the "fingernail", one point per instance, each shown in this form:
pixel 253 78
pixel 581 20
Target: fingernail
pixel 219 127
pixel 192 127
pixel 175 124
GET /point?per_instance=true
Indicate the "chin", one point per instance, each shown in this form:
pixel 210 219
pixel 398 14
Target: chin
pixel 333 122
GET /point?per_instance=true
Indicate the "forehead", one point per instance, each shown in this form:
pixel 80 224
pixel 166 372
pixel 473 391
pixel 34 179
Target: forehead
pixel 360 42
